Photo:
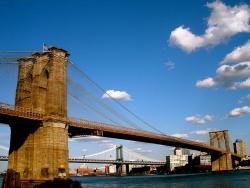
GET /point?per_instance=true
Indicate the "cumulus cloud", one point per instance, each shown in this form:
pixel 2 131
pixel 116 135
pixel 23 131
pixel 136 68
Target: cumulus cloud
pixel 202 132
pixel 239 111
pixel 90 139
pixel 185 39
pixel 223 22
pixel 206 83
pixel 141 150
pixel 115 94
pixel 180 135
pixel 198 140
pixel 230 76
pixel 239 54
pixel 233 72
pixel 230 72
pixel 241 85
pixel 197 119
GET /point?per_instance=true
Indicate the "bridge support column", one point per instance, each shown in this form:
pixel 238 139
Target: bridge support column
pixel 221 162
pixel 39 151
pixel 119 157
pixel 43 155
pixel 118 169
pixel 127 169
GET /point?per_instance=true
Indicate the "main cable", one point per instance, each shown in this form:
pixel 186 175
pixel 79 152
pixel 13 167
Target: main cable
pixel 102 104
pixel 116 101
pixel 88 106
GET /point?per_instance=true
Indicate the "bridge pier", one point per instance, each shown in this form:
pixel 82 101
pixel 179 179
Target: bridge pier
pixel 119 157
pixel 221 162
pixel 118 169
pixel 39 151
pixel 127 169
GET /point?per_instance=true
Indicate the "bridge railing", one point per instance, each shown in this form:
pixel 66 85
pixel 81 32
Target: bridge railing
pixel 104 161
pixel 20 111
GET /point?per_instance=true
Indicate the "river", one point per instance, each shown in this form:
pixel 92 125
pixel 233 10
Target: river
pixel 239 179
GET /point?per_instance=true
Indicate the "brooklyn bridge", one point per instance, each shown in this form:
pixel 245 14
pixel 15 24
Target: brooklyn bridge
pixel 40 125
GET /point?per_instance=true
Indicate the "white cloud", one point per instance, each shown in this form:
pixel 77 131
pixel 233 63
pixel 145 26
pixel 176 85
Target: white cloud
pixel 105 141
pixel 230 72
pixel 197 119
pixel 115 94
pixel 242 85
pixel 198 140
pixel 180 135
pixel 141 150
pixel 4 148
pixel 185 39
pixel 206 83
pixel 235 76
pixel 202 132
pixel 223 22
pixel 239 111
pixel 170 65
pixel 239 54
pixel 90 139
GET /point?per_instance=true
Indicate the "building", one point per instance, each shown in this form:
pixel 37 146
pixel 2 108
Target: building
pixel 201 162
pixel 240 148
pixel 179 159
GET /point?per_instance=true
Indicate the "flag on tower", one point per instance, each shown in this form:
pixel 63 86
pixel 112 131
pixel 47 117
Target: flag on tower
pixel 45 47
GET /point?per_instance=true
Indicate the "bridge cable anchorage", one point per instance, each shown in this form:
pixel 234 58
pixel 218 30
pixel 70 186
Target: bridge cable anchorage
pixel 91 108
pixel 116 101
pixel 102 104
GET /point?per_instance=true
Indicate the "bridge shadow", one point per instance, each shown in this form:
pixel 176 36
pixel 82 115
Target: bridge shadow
pixel 20 131
pixel 58 183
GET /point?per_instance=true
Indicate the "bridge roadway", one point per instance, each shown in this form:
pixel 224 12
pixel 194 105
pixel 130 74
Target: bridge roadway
pixel 101 161
pixel 78 127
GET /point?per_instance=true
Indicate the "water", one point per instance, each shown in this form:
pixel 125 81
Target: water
pixel 240 179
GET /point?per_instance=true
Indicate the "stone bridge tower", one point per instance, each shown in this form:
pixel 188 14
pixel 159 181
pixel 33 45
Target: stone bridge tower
pixel 221 162
pixel 39 151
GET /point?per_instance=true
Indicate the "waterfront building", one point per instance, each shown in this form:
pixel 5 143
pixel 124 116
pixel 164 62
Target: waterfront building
pixel 240 148
pixel 201 162
pixel 177 160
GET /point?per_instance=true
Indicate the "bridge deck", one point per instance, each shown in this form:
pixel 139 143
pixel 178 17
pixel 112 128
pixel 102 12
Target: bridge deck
pixel 101 161
pixel 77 127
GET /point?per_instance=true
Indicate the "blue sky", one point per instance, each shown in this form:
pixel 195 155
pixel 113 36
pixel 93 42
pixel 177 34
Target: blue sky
pixel 183 64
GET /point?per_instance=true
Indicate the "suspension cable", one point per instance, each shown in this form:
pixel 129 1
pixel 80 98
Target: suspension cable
pixel 19 51
pixel 116 101
pixel 102 152
pixel 102 104
pixel 91 108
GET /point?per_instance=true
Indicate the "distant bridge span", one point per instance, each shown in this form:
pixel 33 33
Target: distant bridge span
pixel 78 127
pixel 103 161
